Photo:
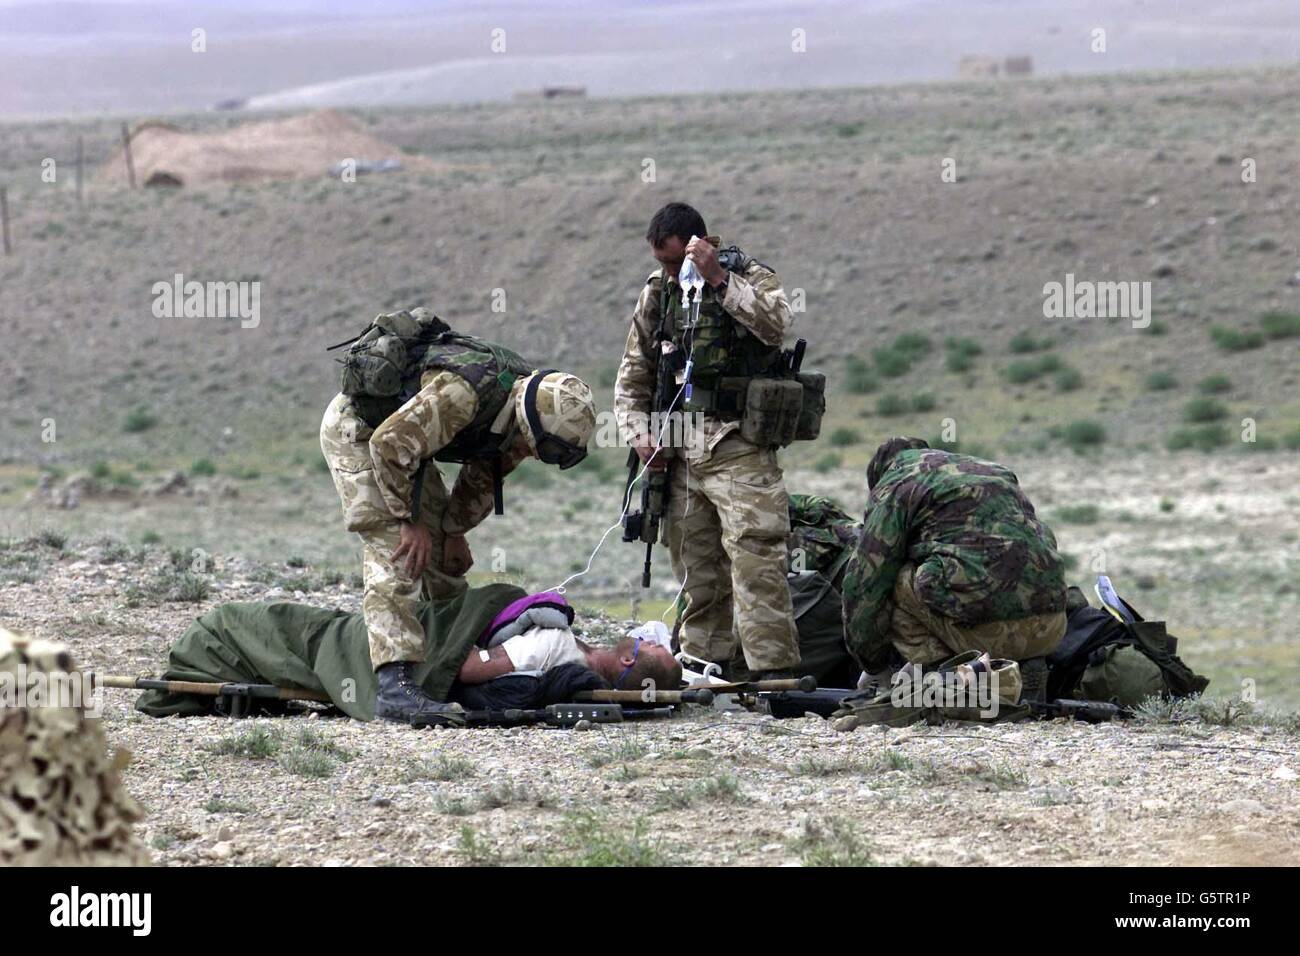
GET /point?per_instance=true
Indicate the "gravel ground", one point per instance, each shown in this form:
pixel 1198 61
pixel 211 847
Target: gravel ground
pixel 708 787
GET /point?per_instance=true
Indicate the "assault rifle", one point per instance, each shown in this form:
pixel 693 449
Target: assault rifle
pixel 559 715
pixel 240 699
pixel 825 701
pixel 1092 711
pixel 643 524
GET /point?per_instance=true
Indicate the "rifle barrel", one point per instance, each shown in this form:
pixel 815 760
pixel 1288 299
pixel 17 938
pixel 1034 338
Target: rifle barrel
pixel 700 695
pixel 807 684
pixel 210 688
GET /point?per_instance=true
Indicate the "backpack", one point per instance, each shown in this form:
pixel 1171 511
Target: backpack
pixel 819 619
pixel 1103 658
pixel 384 365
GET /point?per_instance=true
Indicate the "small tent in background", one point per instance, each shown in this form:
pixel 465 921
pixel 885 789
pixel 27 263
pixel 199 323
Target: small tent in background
pixel 298 147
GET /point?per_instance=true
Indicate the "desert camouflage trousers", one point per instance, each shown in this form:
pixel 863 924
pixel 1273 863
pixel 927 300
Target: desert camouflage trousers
pixel 728 520
pixel 924 636
pixel 390 595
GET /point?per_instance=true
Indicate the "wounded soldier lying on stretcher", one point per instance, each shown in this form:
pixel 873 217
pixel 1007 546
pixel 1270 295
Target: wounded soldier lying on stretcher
pixel 628 665
pixel 491 647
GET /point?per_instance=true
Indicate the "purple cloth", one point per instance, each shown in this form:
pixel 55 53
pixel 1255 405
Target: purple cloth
pixel 545 609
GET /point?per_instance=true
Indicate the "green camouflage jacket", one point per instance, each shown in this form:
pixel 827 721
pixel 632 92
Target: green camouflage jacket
pixel 979 551
pixel 821 535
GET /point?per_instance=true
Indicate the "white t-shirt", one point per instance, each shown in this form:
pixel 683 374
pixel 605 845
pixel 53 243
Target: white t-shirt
pixel 539 649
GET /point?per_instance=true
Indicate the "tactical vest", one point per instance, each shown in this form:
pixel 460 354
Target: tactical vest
pixel 725 355
pixel 491 371
pixel 385 365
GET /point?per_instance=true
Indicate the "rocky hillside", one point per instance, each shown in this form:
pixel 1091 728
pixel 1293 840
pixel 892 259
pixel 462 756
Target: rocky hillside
pixel 541 213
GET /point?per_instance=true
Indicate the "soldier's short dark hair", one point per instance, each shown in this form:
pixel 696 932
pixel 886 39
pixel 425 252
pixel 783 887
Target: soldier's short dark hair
pixel 886 453
pixel 675 219
pixel 663 676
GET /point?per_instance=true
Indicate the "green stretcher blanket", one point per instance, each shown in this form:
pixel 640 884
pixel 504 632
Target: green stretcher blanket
pixel 297 645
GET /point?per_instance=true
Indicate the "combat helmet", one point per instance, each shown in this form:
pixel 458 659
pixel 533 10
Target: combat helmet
pixel 557 414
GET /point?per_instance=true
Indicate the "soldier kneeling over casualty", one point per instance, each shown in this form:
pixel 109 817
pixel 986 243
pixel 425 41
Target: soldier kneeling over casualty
pixel 414 391
pixel 951 559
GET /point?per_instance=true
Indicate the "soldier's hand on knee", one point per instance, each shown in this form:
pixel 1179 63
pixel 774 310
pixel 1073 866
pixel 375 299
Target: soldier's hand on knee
pixel 456 556
pixel 416 545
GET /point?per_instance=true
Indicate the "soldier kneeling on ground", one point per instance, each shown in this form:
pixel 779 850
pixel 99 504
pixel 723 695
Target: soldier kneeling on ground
pixel 951 559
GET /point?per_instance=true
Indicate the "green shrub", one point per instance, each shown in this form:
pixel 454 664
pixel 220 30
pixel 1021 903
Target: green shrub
pixel 139 419
pixel 923 403
pixel 1202 438
pixel 964 346
pixel 960 353
pixel 1017 373
pixel 912 344
pixel 256 744
pixel 891 404
pixel 532 474
pixel 843 437
pixel 1203 409
pixel 1022 343
pixel 1050 363
pixel 1068 379
pixel 1292 439
pixel 891 363
pixel 858 377
pixel 1214 385
pixel 203 467
pixel 150 537
pixel 1280 325
pixel 1078 514
pixel 1027 370
pixel 1234 340
pixel 958 361
pixel 1161 381
pixel 191 588
pixel 826 463
pixel 100 470
pixel 1084 434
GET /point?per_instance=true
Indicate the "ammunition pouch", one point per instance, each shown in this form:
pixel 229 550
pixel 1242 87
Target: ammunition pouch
pixel 772 411
pixel 813 407
pixel 771 415
pixel 725 400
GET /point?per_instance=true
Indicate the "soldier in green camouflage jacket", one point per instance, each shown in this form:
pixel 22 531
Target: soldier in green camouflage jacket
pixel 822 536
pixel 951 558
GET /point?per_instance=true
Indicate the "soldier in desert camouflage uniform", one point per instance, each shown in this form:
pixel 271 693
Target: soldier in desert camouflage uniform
pixel 951 558
pixel 412 529
pixel 727 518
